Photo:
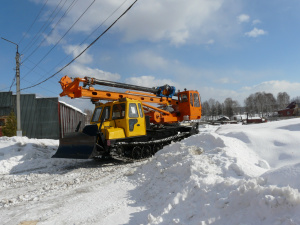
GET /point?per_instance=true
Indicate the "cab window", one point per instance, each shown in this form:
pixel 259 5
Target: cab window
pixel 196 100
pixel 118 111
pixel 183 98
pixel 106 113
pixel 133 113
pixel 96 114
pixel 191 99
pixel 141 110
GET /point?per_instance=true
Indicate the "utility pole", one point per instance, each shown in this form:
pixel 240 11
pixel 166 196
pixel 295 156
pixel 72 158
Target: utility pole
pixel 19 130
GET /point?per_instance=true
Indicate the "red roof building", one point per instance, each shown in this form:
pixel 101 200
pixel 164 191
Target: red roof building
pixel 291 110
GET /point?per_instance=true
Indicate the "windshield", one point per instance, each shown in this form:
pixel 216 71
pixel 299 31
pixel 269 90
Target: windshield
pixel 118 111
pixel 96 115
pixel 106 113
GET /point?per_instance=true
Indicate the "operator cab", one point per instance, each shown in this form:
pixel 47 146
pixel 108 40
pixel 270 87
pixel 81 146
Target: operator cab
pixel 120 119
pixel 189 105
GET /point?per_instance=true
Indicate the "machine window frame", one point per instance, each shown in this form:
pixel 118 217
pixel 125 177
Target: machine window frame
pixel 141 110
pixel 104 113
pixel 196 100
pixel 183 97
pixel 133 111
pixel 97 113
pixel 191 99
pixel 116 109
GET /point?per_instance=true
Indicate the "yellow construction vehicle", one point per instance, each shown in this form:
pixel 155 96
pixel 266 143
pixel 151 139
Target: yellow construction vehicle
pixel 126 127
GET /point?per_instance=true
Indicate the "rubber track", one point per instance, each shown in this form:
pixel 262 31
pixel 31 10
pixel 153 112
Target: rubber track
pixel 133 144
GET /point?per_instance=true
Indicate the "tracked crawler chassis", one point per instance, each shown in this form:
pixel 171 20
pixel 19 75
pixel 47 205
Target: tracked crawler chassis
pixel 126 127
pixel 91 144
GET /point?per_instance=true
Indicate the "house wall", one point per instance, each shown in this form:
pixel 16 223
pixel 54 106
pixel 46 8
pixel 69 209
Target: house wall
pixel 69 119
pixel 41 117
pixel 286 112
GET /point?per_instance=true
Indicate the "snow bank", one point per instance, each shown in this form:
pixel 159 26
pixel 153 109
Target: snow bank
pixel 22 155
pixel 231 174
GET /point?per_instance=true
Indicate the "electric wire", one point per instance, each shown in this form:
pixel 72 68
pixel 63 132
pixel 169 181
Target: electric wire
pixel 37 72
pixel 53 28
pixel 33 22
pixel 91 44
pixel 61 38
pixel 43 28
pixel 12 83
pixel 73 50
pixel 85 38
pixel 45 89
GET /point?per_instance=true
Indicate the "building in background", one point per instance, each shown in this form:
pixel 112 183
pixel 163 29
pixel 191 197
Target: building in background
pixel 41 117
pixel 291 110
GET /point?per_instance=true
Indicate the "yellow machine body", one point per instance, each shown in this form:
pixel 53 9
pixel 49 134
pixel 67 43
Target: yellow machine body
pixel 121 128
pixel 120 119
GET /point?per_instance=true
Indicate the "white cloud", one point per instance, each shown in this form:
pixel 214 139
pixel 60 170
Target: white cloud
pixel 256 22
pixel 274 87
pixel 243 18
pixel 256 32
pixel 79 70
pixel 225 80
pixel 179 21
pixel 210 42
pixel 149 81
pixel 176 22
pixel 53 38
pixel 75 50
pixel 150 59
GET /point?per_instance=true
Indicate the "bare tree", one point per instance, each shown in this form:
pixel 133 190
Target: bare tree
pixel 296 99
pixel 250 104
pixel 270 103
pixel 89 114
pixel 219 109
pixel 228 107
pixel 205 109
pixel 283 99
pixel 259 101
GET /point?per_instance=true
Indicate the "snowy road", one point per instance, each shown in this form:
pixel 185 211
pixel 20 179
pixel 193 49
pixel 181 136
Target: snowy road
pixel 231 174
pixel 70 193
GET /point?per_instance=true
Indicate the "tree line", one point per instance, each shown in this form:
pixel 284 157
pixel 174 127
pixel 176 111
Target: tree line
pixel 261 103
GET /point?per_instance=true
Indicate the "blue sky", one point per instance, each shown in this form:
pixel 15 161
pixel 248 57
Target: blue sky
pixel 221 48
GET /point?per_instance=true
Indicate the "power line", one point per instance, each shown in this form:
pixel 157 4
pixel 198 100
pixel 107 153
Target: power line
pixel 33 22
pixel 44 39
pixel 61 38
pixel 37 72
pixel 86 38
pixel 12 83
pixel 43 28
pixel 45 89
pixel 85 48
pixel 3 89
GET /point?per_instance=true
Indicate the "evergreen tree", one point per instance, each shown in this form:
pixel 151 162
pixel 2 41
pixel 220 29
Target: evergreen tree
pixel 10 128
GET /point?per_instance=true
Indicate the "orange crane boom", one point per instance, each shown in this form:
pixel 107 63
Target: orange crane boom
pixel 131 125
pixel 186 106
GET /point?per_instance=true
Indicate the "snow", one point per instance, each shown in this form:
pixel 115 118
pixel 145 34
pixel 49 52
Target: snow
pixel 229 174
pixel 72 107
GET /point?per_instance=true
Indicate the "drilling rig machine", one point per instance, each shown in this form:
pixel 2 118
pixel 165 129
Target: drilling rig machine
pixel 126 126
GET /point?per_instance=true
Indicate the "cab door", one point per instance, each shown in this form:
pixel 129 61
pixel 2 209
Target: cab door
pixel 136 120
pixel 118 115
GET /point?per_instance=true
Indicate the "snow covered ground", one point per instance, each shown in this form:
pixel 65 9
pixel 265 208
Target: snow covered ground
pixel 231 174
